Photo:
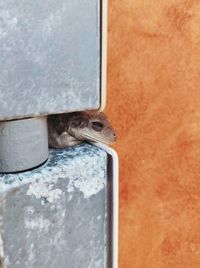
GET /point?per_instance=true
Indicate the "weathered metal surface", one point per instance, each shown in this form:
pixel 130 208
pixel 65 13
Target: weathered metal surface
pixel 56 215
pixel 50 56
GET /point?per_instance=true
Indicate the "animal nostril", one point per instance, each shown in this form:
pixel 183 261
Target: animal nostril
pixel 114 135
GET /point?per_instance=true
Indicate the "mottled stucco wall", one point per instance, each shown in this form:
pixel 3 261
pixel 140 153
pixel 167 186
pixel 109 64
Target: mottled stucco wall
pixel 154 102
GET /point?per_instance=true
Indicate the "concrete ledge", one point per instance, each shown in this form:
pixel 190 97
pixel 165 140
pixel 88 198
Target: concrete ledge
pixel 56 215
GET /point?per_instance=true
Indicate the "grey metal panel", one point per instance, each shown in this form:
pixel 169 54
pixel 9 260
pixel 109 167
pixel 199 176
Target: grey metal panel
pixel 56 215
pixel 49 56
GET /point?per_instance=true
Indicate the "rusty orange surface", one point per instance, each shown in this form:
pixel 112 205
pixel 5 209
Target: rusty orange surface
pixel 154 103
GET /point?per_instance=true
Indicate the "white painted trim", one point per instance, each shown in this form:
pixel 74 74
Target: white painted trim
pixel 115 215
pixel 104 28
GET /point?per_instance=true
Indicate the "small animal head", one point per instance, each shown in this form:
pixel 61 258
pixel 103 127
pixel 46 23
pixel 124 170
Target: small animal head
pixel 91 126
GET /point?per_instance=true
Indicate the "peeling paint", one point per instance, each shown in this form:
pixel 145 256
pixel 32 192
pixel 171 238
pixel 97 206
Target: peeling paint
pixel 82 166
pixel 52 213
pixel 43 190
pixel 39 224
pixel 89 182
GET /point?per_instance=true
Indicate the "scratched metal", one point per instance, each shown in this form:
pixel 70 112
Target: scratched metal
pixel 50 56
pixel 56 215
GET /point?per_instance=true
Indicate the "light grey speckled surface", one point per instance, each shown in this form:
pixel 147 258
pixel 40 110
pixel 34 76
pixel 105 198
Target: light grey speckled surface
pixel 50 56
pixel 56 215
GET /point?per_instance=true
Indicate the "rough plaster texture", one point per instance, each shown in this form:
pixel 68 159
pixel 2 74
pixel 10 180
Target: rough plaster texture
pixel 154 103
pixel 50 56
pixel 56 215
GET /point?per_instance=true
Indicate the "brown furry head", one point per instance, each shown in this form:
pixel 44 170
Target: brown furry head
pixel 91 126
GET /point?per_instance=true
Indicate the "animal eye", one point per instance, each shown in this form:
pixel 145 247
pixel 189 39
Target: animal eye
pixel 97 126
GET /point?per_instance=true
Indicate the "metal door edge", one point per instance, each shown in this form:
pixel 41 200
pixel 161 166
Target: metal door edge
pixel 115 201
pixel 103 67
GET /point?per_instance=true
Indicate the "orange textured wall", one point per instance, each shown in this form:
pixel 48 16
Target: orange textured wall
pixel 154 103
